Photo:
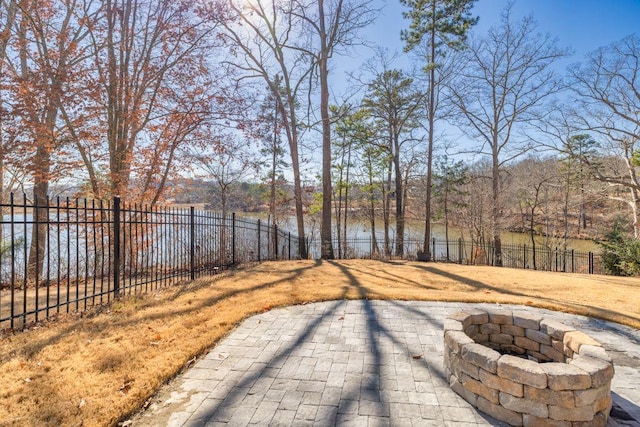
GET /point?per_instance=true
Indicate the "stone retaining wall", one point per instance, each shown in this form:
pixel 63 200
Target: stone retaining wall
pixel 526 370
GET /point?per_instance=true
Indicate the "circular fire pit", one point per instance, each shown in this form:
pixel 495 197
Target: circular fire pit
pixel 527 370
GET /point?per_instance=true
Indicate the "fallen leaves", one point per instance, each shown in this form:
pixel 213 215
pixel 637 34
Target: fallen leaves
pixel 126 386
pixel 190 362
pixel 266 308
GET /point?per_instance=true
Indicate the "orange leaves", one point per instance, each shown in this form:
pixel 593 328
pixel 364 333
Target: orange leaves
pixel 266 308
pixel 108 94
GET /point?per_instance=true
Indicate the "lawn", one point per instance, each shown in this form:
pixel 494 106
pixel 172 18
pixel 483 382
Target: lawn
pixel 98 368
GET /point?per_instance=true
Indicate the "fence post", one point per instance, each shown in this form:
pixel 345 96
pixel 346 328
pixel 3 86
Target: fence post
pixel 275 242
pixel 573 266
pixel 36 235
pixel 233 238
pixel 590 262
pixel 116 246
pixel 433 251
pixel 524 256
pixel 258 240
pixel 13 257
pixel 192 242
pixel 289 246
pixel 460 251
pixel 26 261
pixel 372 250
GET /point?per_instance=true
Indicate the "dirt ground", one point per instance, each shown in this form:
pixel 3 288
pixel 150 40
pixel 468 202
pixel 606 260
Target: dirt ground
pixel 99 367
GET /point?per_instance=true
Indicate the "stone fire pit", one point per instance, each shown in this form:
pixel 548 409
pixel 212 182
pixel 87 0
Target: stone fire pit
pixel 526 370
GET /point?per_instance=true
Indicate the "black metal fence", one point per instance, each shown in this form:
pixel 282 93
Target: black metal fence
pixel 61 256
pixel 463 252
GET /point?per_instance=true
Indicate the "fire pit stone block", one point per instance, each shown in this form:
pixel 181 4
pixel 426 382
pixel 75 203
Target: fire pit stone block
pixel 526 370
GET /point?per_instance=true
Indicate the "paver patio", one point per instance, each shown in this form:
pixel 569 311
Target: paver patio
pixel 364 363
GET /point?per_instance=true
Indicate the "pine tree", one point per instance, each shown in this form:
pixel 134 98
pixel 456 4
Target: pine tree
pixel 438 26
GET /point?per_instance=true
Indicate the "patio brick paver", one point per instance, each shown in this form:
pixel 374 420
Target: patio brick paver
pixel 354 363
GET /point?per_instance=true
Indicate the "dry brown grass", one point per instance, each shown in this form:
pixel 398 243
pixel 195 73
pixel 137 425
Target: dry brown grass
pixel 97 369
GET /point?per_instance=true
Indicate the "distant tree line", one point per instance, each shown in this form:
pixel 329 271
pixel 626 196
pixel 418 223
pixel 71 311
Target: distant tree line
pixel 128 97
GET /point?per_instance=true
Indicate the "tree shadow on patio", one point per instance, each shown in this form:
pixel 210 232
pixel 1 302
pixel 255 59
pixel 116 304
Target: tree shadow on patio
pixel 548 303
pixel 388 373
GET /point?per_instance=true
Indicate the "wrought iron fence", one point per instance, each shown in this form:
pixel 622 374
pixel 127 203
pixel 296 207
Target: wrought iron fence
pixel 61 256
pixel 464 252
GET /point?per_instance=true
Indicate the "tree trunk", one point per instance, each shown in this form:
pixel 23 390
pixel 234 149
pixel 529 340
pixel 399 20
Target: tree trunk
pixel 532 231
pixel 426 249
pixel 2 192
pixel 582 220
pixel 325 227
pixel 372 211
pixel 223 230
pixel 565 213
pixel 338 208
pixel 44 136
pixel 386 212
pixel 297 193
pixel 37 247
pixel 496 210
pixel 399 203
pixel 274 159
pixel 635 203
pixel 338 203
pixel 292 137
pixel 289 119
pixel 446 221
pixel 374 239
pixel 10 14
pixel 346 202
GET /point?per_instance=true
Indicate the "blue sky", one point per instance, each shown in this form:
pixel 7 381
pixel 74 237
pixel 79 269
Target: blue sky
pixel 580 25
pixel 583 25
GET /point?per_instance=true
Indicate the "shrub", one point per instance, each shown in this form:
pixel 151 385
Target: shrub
pixel 621 255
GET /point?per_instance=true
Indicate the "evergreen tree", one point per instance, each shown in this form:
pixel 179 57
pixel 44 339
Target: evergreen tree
pixel 438 26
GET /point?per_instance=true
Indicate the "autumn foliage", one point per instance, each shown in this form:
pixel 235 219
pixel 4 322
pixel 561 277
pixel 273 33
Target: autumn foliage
pixel 105 91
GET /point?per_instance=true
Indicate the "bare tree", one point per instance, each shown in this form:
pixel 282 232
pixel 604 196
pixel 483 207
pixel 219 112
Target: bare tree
pixel 268 133
pixel 538 178
pixel 576 153
pixel 226 163
pixel 48 64
pixel 8 127
pixel 449 178
pixel 607 89
pixel 473 217
pixel 284 44
pixel 505 79
pixel 151 63
pixel 264 40
pixel 333 25
pixel 579 155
